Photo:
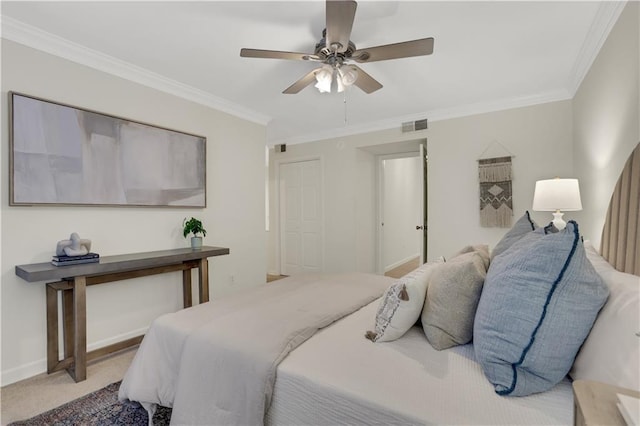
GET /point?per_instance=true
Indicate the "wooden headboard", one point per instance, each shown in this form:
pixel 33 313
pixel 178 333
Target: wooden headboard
pixel 621 233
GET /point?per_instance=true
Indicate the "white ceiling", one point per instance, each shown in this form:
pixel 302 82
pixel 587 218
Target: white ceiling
pixel 487 55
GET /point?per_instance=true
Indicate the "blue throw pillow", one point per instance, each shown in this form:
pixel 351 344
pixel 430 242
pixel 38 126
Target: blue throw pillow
pixel 523 226
pixel 538 304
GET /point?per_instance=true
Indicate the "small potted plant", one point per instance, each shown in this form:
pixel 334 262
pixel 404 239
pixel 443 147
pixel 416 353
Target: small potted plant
pixel 193 226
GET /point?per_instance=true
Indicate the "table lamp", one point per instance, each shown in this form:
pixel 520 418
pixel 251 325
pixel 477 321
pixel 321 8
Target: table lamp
pixel 555 195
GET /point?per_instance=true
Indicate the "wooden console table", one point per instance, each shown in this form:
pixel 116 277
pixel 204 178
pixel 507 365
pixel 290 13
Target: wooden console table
pixel 72 282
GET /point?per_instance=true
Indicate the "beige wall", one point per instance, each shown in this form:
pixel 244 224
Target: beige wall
pixel 538 136
pixel 606 117
pixel 234 217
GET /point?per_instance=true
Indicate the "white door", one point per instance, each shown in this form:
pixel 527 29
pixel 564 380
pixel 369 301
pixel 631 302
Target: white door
pixel 300 217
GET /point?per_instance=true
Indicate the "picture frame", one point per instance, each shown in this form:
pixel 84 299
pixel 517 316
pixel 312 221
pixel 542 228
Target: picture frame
pixel 62 155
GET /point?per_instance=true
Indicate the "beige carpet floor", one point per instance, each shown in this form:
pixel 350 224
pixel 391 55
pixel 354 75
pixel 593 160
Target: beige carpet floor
pixel 27 398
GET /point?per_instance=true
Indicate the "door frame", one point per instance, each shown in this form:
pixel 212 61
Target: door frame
pixel 278 163
pixel 380 203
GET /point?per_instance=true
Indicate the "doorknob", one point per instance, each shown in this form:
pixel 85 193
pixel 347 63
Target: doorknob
pixel 418 227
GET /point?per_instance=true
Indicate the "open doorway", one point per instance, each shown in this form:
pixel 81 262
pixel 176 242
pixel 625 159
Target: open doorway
pixel 402 195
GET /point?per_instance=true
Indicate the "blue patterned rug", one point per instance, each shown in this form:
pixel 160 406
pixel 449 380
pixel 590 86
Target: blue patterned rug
pixel 99 408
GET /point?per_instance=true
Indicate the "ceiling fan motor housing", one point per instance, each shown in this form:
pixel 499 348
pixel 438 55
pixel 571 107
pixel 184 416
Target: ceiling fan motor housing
pixel 332 57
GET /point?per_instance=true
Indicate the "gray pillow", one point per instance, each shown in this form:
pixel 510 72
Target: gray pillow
pixel 482 249
pixel 539 301
pixel 452 298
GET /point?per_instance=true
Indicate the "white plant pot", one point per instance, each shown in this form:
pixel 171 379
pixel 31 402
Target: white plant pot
pixel 196 242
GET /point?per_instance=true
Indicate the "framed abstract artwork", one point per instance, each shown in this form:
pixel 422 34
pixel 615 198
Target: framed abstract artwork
pixel 62 155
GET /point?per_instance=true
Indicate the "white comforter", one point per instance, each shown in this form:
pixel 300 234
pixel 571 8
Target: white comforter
pixel 403 382
pixel 215 363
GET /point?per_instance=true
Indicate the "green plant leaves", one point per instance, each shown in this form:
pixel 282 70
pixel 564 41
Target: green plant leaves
pixel 193 226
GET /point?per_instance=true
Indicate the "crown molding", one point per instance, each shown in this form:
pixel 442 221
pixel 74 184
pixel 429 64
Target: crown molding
pixel 432 115
pixel 19 32
pixel 606 17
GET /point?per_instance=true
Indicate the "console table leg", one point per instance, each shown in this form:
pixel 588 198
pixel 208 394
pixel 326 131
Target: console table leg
pixel 52 328
pixel 203 280
pixel 67 322
pixel 186 288
pixel 80 329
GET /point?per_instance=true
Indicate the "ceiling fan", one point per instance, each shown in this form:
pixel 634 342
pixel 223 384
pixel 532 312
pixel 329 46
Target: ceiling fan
pixel 336 51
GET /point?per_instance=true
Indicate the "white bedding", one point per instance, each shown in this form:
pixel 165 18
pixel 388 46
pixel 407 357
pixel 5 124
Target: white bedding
pixel 216 363
pixel 339 377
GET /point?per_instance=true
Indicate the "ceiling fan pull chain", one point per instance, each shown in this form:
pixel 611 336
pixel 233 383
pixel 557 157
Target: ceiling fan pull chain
pixel 345 107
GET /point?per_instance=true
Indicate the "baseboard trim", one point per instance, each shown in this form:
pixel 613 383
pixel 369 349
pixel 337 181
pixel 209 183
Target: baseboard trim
pixel 34 368
pixel 401 262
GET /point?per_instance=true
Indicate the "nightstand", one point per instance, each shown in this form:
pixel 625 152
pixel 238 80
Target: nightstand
pixel 595 403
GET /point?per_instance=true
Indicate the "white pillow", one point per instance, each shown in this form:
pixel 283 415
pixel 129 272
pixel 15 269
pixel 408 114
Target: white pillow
pixel 611 352
pixel 401 304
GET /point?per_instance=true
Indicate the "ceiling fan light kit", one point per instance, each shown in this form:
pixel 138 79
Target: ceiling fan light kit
pixel 327 75
pixel 335 50
pixel 324 77
pixel 348 74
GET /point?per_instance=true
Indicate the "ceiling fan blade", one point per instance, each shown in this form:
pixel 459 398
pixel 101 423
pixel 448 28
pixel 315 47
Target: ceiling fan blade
pixel 340 16
pixel 302 83
pixel 275 54
pixel 405 49
pixel 365 82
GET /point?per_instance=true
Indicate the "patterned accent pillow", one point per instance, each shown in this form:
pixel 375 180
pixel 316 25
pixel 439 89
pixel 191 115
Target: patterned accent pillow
pixel 401 304
pixel 452 298
pixel 539 301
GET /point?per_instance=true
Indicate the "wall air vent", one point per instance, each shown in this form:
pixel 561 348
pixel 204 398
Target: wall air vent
pixel 414 126
pixel 407 127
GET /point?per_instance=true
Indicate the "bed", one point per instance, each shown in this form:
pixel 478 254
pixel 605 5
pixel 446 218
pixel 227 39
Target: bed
pixel 402 382
pixel 269 356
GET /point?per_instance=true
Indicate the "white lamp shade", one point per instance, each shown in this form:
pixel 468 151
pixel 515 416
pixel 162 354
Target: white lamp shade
pixel 344 77
pixel 324 77
pixel 557 194
pixel 348 75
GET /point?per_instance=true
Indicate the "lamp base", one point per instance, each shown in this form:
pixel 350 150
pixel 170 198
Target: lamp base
pixel 558 221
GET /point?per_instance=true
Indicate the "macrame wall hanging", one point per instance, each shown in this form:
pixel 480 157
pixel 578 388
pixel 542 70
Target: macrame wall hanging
pixel 496 196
